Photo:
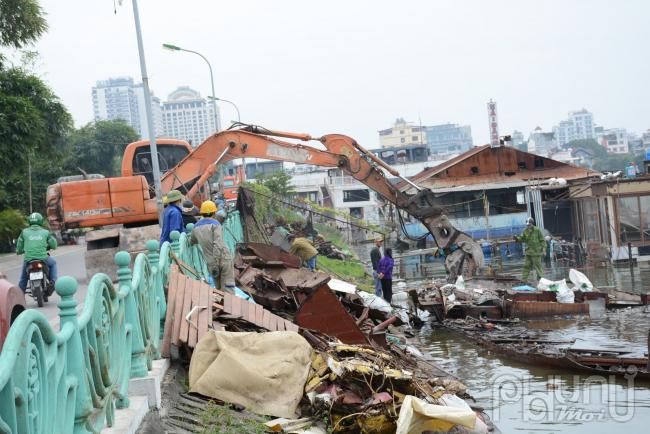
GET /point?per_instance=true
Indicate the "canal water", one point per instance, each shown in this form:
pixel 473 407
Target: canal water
pixel 526 399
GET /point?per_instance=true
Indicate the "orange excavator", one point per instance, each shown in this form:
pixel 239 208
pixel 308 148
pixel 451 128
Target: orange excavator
pixel 128 200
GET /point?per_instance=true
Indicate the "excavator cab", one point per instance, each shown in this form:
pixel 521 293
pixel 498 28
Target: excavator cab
pixel 137 158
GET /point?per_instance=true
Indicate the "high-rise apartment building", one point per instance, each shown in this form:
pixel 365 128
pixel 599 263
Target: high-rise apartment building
pixel 187 116
pixel 156 111
pixel 120 98
pixel 579 126
pixel 115 98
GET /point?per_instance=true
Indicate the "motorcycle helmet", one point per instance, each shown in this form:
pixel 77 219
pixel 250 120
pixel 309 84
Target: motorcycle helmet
pixel 35 219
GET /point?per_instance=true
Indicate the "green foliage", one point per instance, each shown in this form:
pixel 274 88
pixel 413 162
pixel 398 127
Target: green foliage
pixel 589 144
pixel 97 147
pixel 279 183
pixel 33 123
pixel 218 419
pixel 262 201
pixel 11 223
pixel 22 22
pixel 615 162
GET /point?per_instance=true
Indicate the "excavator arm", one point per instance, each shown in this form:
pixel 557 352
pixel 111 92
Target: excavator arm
pixel 341 152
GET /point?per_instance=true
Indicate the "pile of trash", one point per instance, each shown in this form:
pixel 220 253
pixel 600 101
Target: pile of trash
pixel 347 369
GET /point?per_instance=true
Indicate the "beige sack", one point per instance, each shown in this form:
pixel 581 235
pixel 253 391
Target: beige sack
pixel 264 372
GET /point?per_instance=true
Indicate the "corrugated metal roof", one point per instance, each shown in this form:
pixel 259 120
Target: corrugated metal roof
pixel 495 166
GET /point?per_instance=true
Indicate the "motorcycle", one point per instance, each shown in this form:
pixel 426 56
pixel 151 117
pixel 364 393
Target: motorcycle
pixel 39 285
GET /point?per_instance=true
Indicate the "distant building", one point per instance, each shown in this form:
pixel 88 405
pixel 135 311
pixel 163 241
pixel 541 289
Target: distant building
pixel 584 157
pixel 115 98
pixel 187 116
pixel 635 143
pixel 120 98
pixel 400 134
pixel 156 111
pixel 517 139
pixel 646 138
pixel 440 139
pixel 541 142
pixel 614 140
pixel 579 126
pixel 448 138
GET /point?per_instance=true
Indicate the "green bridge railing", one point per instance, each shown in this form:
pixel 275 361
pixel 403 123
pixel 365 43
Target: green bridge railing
pixel 71 381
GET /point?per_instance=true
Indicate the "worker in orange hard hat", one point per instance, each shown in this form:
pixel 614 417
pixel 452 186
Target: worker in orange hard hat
pixel 208 234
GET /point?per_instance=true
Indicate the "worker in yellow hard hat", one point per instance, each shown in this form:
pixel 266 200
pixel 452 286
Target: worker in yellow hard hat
pixel 208 208
pixel 208 234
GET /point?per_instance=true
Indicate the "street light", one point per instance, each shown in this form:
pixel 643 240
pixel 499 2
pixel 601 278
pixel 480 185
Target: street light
pixel 229 102
pixel 214 103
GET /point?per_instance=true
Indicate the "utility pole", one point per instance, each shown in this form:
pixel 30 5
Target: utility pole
pixel 29 174
pixel 150 125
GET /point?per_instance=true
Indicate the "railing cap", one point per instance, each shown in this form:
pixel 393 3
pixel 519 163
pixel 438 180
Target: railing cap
pixel 175 235
pixel 65 286
pixel 153 245
pixel 122 259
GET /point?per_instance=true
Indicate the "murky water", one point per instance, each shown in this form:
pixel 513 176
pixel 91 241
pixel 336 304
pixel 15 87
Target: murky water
pixel 526 399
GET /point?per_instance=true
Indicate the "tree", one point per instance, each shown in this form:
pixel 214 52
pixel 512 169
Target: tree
pixel 592 145
pixel 33 122
pixel 97 147
pixel 22 22
pixel 11 223
pixel 279 183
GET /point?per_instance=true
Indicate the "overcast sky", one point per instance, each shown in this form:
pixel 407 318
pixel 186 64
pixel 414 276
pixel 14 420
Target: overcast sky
pixel 353 66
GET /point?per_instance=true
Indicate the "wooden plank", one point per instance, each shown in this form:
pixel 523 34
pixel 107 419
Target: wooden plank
pixel 187 305
pixel 193 336
pixel 273 323
pixel 292 327
pixel 174 283
pixel 205 315
pixel 178 308
pixel 227 303
pixel 266 319
pixel 280 325
pixel 251 312
pixel 259 315
pixel 236 306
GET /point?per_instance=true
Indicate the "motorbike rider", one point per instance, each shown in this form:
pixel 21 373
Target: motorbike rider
pixel 34 241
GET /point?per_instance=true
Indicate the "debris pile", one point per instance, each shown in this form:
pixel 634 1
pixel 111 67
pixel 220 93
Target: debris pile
pixel 362 376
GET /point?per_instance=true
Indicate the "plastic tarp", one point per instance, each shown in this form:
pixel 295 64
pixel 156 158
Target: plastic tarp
pixel 563 293
pixel 580 281
pixel 264 372
pixel 417 416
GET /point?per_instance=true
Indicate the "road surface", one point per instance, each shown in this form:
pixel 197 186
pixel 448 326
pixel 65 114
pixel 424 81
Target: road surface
pixel 70 260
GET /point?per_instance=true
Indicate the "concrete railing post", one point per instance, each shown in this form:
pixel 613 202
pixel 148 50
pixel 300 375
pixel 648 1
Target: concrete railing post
pixel 159 284
pixel 138 353
pixel 66 287
pixel 176 247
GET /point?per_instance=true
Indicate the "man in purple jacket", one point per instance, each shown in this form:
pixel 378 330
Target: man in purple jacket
pixel 385 274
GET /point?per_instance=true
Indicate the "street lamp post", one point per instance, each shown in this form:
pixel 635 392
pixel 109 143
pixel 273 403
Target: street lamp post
pixel 214 103
pixel 147 106
pixel 243 160
pixel 229 102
